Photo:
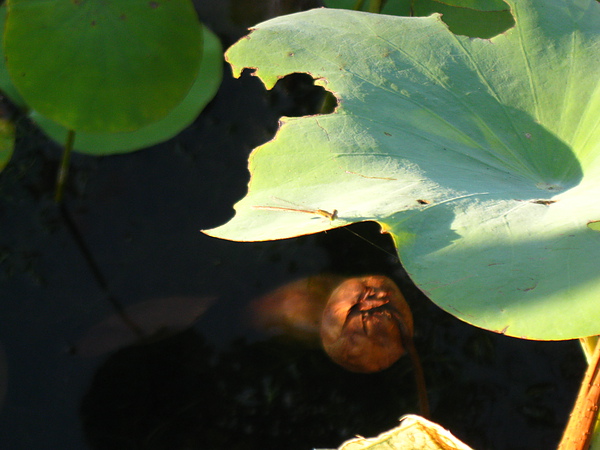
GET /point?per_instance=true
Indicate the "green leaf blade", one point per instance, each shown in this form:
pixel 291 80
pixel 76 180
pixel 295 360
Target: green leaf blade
pixel 202 91
pixel 474 154
pixel 100 66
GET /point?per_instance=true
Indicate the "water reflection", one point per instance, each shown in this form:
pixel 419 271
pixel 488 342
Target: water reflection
pixel 178 393
pixel 146 321
pixel 366 324
pixel 3 376
pixel 360 321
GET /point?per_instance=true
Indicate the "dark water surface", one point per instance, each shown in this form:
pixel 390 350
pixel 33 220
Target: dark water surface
pixel 219 384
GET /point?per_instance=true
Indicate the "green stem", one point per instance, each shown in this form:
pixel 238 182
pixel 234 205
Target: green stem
pixel 358 5
pixel 63 170
pixel 61 179
pixel 375 6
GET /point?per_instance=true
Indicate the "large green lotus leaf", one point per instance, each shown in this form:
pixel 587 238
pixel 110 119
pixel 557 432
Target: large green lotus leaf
pixel 102 65
pixel 203 90
pixel 479 157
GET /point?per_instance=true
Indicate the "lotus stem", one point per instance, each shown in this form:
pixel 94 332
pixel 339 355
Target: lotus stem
pixel 580 430
pixel 63 169
pixel 97 273
pixel 408 344
pixel 375 6
pixel 358 5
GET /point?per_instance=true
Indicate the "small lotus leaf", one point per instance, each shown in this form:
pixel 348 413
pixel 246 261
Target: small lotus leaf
pixel 202 91
pixel 102 65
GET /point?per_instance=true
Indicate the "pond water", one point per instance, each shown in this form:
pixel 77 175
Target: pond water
pixel 220 383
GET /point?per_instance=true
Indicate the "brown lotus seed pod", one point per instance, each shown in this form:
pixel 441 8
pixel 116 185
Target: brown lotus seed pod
pixel 360 328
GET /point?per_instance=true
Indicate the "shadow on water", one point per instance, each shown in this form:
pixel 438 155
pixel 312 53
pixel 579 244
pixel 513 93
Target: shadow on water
pixel 178 393
pixel 219 384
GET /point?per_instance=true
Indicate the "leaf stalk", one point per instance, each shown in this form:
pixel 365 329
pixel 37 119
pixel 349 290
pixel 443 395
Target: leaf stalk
pixel 580 429
pixel 63 169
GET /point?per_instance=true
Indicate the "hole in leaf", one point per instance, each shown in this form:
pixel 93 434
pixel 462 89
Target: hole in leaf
pixel 467 21
pixel 360 248
pixel 296 95
pixel 594 225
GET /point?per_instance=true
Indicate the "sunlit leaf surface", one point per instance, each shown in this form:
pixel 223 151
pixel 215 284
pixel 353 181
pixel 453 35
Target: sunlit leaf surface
pixel 479 157
pixel 413 433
